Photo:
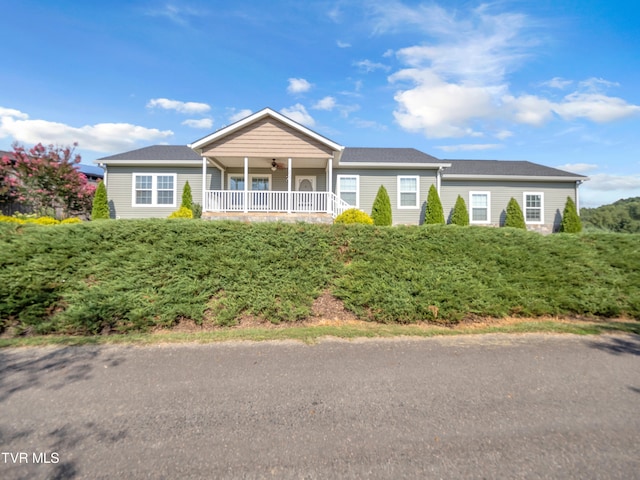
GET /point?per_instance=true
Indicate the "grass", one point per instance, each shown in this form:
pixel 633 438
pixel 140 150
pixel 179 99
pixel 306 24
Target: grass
pixel 131 277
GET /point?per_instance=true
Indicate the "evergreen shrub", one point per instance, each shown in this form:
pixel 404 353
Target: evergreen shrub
pixel 353 215
pixel 381 211
pixel 571 222
pixel 100 209
pixel 434 213
pixel 460 215
pixel 187 198
pixel 514 218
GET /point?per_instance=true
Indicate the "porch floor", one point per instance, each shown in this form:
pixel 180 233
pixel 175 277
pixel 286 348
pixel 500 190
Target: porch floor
pixel 269 217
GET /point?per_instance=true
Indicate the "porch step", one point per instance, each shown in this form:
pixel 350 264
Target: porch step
pixel 269 217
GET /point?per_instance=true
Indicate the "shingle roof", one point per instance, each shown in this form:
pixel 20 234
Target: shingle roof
pixel 503 167
pixel 157 152
pixel 386 155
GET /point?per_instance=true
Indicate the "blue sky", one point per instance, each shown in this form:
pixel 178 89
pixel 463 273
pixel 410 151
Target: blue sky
pixel 551 81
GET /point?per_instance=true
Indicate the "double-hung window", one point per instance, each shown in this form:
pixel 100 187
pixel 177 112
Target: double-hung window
pixel 408 191
pixel 154 189
pixel 480 207
pixel 533 207
pixel 349 189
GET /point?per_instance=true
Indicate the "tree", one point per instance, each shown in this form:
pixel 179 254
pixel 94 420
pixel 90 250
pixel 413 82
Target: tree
pixel 8 181
pixel 460 215
pixel 48 180
pixel 100 210
pixel 571 222
pixel 434 213
pixel 514 218
pixel 381 211
pixel 187 199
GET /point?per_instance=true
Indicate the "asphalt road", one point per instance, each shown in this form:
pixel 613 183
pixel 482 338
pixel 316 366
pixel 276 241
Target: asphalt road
pixel 495 406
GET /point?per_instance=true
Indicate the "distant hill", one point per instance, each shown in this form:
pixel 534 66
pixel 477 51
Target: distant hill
pixel 621 216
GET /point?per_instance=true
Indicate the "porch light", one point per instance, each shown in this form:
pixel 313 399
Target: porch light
pixel 274 165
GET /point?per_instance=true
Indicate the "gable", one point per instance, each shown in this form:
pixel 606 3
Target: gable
pixel 267 137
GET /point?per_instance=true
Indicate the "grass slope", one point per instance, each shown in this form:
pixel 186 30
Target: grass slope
pixel 131 276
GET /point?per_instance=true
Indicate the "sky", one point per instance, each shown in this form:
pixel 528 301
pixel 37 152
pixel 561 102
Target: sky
pixel 555 82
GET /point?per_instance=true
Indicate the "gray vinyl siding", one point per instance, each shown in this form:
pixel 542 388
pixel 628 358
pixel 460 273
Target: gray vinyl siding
pixel 555 197
pixel 370 181
pixel 119 189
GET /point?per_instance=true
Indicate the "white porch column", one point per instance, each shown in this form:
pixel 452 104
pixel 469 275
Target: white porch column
pixel 204 184
pixel 246 184
pixel 289 200
pixel 329 185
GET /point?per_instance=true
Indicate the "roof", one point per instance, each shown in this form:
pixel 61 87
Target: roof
pixel 156 152
pixel 265 112
pixel 386 155
pixel 91 170
pixel 504 168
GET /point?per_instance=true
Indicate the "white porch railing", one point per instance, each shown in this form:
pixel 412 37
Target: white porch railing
pixel 272 201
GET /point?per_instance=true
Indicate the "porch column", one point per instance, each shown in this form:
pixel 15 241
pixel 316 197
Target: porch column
pixel 246 184
pixel 204 184
pixel 329 185
pixel 289 200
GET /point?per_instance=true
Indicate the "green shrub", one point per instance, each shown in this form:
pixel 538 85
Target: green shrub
pixel 182 212
pixel 571 222
pixel 197 210
pixel 100 209
pixel 71 220
pixel 514 218
pixel 381 211
pixel 43 221
pixel 187 198
pixel 7 219
pixel 434 213
pixel 460 215
pixel 353 215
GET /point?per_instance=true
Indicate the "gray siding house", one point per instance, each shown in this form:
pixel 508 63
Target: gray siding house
pixel 267 166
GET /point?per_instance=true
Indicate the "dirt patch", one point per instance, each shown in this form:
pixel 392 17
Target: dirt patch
pixel 328 307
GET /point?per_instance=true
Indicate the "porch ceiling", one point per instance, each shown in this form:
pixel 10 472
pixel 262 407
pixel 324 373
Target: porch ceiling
pixel 265 162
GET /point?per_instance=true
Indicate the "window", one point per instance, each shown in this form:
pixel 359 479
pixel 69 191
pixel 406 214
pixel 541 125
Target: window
pixel 154 190
pixel 480 211
pixel 533 207
pixel 349 189
pixel 408 191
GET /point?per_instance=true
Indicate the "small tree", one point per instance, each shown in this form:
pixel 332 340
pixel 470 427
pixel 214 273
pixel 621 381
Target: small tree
pixel 571 222
pixel 187 199
pixel 100 210
pixel 381 211
pixel 434 213
pixel 514 218
pixel 460 215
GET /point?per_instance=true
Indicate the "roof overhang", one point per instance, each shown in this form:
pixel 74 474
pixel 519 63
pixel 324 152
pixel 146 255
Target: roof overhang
pixel 517 178
pixel 434 166
pixel 198 145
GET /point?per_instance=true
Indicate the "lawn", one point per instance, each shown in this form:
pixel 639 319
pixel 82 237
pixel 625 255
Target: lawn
pixel 140 275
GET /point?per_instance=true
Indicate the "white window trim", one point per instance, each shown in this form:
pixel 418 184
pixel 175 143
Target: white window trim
pixel 524 209
pixel 339 190
pixel 409 207
pixel 251 176
pixel 154 189
pixel 480 222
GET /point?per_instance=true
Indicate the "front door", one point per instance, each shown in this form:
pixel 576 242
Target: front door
pixel 305 199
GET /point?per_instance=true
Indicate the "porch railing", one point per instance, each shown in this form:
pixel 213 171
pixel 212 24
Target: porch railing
pixel 273 201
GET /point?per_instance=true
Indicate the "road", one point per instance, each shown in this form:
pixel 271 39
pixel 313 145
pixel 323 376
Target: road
pixel 491 406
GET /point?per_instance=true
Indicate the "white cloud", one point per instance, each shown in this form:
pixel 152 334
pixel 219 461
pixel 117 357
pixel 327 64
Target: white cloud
pixel 299 114
pixel 101 137
pixel 178 15
pixel 327 103
pixel 578 167
pixel 388 53
pixel 608 182
pixel 199 123
pixel 178 106
pixel 469 147
pixel 369 66
pixel 529 109
pixel 342 44
pixel 369 124
pixel 503 134
pixel 236 115
pixel 557 82
pixel 298 85
pixel 595 107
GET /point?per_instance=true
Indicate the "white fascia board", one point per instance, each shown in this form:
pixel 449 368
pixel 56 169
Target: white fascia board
pixel 265 112
pixel 152 163
pixel 434 166
pixel 519 178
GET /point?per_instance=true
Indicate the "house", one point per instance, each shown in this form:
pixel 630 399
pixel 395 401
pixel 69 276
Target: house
pixel 267 166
